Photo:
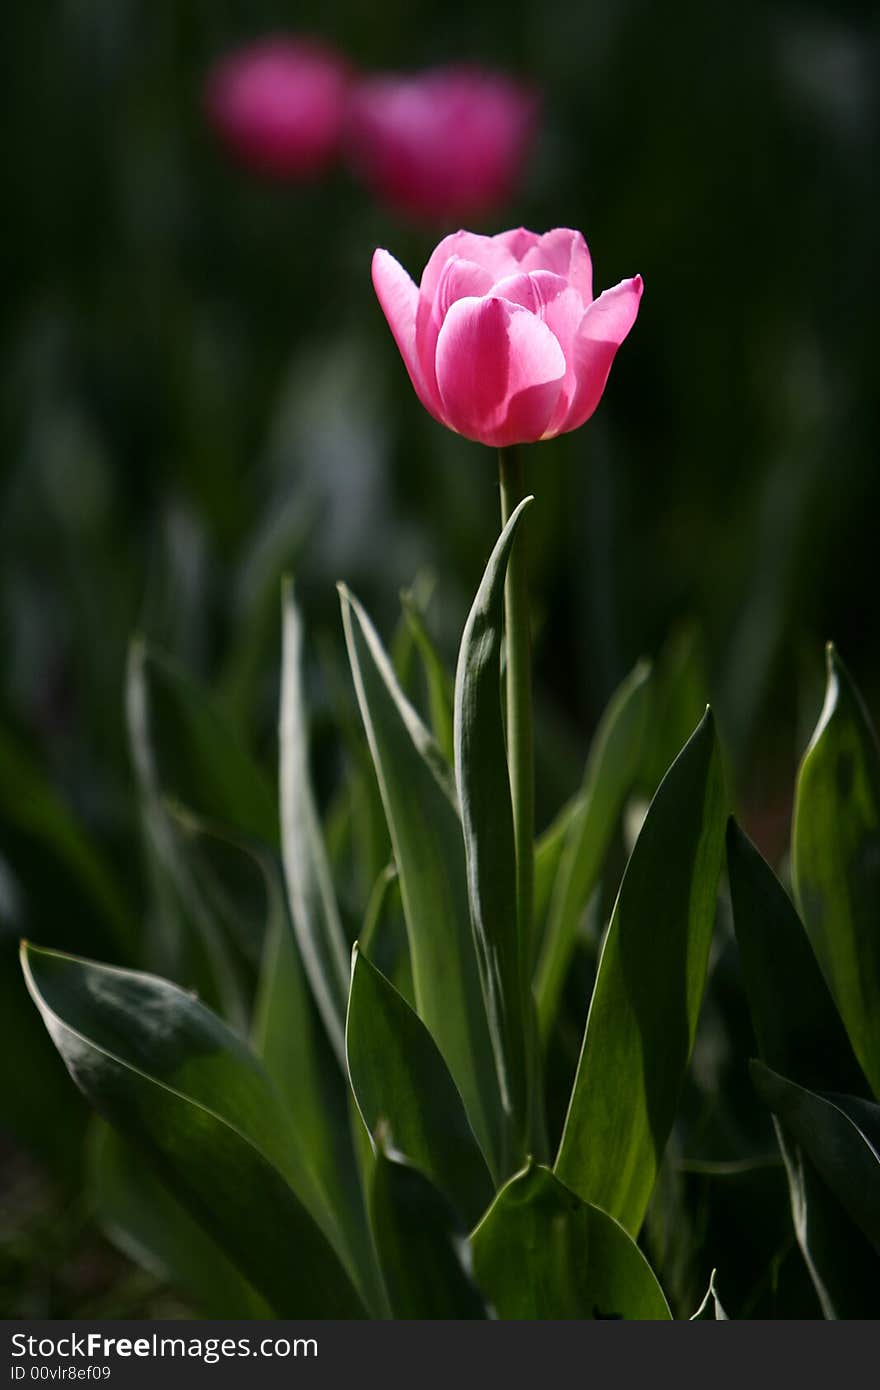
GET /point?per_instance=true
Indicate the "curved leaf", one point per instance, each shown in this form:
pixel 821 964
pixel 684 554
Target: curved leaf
pixel 836 860
pixel 643 1015
pixel 613 765
pixel 196 1102
pixel 841 1135
pixel 313 905
pixel 540 1252
pixel 398 1075
pixel 483 781
pixel 422 813
pixel 423 1249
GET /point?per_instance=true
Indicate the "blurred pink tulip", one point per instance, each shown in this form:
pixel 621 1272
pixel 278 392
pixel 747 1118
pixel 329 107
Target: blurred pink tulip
pixel 278 106
pixel 503 340
pixel 449 143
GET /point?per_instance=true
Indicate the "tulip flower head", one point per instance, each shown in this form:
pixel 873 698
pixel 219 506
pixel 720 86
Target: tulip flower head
pixel 503 340
pixel 278 106
pixel 446 144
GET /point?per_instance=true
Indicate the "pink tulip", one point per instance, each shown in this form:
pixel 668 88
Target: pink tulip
pixel 279 105
pixel 503 340
pixel 445 144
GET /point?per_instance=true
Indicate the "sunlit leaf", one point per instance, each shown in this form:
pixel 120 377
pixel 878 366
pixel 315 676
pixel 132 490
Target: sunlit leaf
pixel 649 987
pixel 313 905
pixel 836 860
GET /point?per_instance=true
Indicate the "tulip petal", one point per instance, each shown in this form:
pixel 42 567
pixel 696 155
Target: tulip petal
pixel 592 350
pixel 459 279
pixel 499 371
pixel 534 290
pixel 399 299
pixel 493 253
pixel 564 252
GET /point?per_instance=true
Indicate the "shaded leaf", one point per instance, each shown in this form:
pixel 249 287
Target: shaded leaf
pixel 540 1252
pixel 290 1037
pixel 797 1026
pixel 142 1218
pixel 841 1135
pixel 643 1015
pixel 422 1247
pixel 800 1034
pixel 398 1075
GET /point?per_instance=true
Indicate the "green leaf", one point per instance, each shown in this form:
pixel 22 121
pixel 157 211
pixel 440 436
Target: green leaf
pixel 313 905
pixel 422 813
pixel 710 1310
pixel 841 1135
pixel 197 1104
pixel 613 765
pixel 186 749
pixel 540 1252
pixel 439 682
pixel 146 1222
pixel 290 1037
pixel 799 1034
pixel 422 1246
pixel 483 780
pixel 798 1029
pixel 398 1075
pixel 643 1015
pixel 836 860
pixel 549 848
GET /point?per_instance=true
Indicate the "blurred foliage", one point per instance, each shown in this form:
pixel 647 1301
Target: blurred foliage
pixel 200 392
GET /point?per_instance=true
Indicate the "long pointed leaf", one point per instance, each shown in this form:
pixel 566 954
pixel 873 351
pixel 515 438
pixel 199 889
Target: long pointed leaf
pixel 836 860
pixel 483 780
pixel 313 905
pixel 643 1015
pixel 423 819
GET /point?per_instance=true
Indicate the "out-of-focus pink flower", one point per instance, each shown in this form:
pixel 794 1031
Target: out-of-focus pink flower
pixel 279 105
pixel 503 340
pixel 449 143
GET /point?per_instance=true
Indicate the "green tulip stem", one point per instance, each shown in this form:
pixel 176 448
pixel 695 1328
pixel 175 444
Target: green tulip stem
pixel 520 759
